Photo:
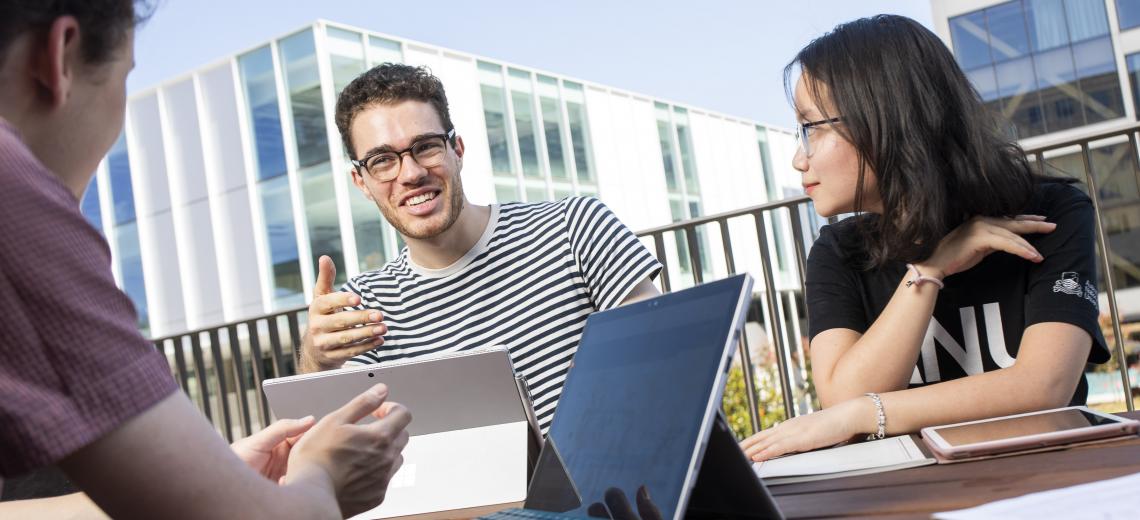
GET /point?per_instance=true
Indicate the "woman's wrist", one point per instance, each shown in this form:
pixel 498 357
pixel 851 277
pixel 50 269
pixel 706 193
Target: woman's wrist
pixel 930 270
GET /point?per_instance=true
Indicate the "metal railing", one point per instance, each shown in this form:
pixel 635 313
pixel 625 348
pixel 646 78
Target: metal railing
pixel 230 361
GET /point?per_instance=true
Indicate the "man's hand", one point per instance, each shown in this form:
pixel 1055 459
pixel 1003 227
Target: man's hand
pixel 359 459
pixel 336 335
pixel 267 451
pixel 617 506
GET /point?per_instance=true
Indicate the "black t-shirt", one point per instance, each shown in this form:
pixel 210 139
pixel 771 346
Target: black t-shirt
pixel 980 316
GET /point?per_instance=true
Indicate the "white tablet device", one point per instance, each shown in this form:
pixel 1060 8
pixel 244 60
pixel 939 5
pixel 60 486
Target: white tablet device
pixel 447 392
pixel 473 435
pixel 1025 431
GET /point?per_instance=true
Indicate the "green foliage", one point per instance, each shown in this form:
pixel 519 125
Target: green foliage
pixel 768 400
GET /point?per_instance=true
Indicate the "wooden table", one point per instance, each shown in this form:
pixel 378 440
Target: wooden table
pixel 919 492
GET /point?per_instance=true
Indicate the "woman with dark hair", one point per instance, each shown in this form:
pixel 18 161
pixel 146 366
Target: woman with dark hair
pixel 965 285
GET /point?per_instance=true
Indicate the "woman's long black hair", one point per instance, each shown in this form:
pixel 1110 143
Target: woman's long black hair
pixel 940 156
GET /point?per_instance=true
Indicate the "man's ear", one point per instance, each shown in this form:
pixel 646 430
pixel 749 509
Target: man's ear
pixel 358 180
pixel 56 60
pixel 459 148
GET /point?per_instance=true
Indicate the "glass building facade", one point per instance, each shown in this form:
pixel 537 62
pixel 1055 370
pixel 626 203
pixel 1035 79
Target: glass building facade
pixel 258 187
pixel 1046 65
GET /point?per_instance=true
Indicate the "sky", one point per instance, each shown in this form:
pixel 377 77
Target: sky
pixel 726 56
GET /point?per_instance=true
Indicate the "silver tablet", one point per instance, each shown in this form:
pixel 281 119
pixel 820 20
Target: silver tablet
pixel 453 391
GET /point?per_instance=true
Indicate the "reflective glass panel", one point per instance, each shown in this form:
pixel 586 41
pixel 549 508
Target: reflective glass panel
pixel 1133 63
pixel 1018 90
pixel 283 253
pixel 552 126
pixel 1008 39
pixel 1128 13
pixel 685 146
pixel 1046 21
pixel 130 263
pixel 576 115
pixel 1096 68
pixel 346 55
pixel 260 88
pixel 506 193
pixel 495 116
pixel 321 217
pixel 382 50
pixel 522 103
pixel 1087 19
pixel 303 82
pixel 89 205
pixel 122 192
pixel 1060 94
pixel 968 34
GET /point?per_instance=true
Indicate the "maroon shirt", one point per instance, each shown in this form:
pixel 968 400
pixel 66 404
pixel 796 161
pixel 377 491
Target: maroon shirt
pixel 73 366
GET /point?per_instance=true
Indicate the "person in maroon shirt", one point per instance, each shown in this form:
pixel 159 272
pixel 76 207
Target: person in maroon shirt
pixel 82 389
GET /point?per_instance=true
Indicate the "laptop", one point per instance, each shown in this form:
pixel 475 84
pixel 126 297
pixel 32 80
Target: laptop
pixel 640 412
pixel 473 439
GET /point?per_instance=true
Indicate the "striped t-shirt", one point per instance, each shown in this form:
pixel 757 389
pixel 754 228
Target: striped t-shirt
pixel 529 283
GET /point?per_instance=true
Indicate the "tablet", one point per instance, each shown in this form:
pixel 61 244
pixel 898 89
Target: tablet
pixel 1025 431
pixel 447 392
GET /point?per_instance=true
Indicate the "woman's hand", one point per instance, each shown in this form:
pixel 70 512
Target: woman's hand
pixel 972 241
pixel 267 451
pixel 824 428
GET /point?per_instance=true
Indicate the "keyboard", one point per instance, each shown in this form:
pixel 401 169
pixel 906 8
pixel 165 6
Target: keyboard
pixel 529 514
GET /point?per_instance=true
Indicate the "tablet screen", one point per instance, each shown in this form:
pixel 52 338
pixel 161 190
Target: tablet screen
pixel 1061 420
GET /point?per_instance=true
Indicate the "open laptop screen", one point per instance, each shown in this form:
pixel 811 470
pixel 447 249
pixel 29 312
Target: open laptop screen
pixel 643 378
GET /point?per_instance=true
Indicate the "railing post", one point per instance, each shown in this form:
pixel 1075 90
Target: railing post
pixel 239 369
pixel 223 395
pixel 1102 241
pixel 659 246
pixel 200 369
pixel 742 340
pixel 774 316
pixel 694 254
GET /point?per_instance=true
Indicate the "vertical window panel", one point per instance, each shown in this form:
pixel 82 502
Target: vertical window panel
pixel 381 50
pixel 346 55
pixel 303 83
pixel 1007 36
pixel 1100 84
pixel 89 205
pixel 552 126
pixel 971 45
pixel 522 102
pixel 1046 23
pixel 260 87
pixel 685 147
pixel 579 130
pixel 1087 19
pixel 1128 13
pixel 495 116
pixel 1017 88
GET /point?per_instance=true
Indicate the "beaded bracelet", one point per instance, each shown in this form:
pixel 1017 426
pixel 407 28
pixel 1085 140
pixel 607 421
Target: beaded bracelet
pixel 882 417
pixel 919 278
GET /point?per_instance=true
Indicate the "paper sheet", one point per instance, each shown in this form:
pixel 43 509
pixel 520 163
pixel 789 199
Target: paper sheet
pixel 1110 499
pixel 861 458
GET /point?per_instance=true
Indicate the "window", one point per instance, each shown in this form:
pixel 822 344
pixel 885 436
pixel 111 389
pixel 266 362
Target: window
pixel 1128 13
pixel 260 87
pixel 310 131
pixel 495 115
pixel 522 103
pixel 1046 65
pixel 681 185
pixel 127 231
pixel 538 134
pixel 89 205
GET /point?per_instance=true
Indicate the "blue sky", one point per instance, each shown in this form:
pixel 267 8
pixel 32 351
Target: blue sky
pixel 722 55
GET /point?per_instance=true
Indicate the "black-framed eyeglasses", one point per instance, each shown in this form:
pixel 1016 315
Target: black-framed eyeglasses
pixel 428 152
pixel 803 132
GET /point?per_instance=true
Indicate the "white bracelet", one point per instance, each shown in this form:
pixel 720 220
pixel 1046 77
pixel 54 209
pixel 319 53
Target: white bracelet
pixel 882 416
pixel 920 278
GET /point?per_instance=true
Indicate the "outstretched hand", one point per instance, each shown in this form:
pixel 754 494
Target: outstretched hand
pixel 267 451
pixel 335 334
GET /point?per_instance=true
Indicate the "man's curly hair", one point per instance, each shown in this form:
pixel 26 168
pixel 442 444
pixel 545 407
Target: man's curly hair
pixel 385 84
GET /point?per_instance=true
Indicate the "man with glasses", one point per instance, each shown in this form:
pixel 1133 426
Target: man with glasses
pixel 521 275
